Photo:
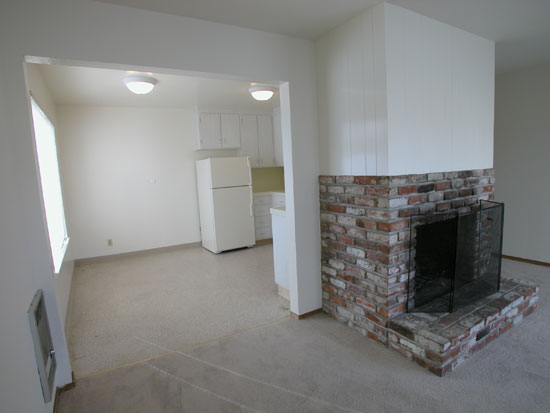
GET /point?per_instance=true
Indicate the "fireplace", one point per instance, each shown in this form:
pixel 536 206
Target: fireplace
pixel 388 273
pixel 454 258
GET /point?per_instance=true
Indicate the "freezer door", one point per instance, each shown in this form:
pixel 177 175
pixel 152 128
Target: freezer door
pixel 227 172
pixel 233 217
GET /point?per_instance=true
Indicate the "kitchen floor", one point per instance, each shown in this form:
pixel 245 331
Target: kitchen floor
pixel 320 365
pixel 134 308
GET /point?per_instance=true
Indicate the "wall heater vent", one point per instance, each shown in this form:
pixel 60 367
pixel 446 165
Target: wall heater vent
pixel 43 347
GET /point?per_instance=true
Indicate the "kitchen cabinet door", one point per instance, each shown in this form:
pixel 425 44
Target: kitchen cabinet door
pixel 249 139
pixel 231 131
pixel 265 141
pixel 262 216
pixel 210 131
pixel 277 137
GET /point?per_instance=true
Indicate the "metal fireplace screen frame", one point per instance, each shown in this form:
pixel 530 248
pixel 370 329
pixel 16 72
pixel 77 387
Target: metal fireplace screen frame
pixel 454 258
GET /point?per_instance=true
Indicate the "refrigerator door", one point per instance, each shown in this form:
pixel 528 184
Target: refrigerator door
pixel 227 172
pixel 233 217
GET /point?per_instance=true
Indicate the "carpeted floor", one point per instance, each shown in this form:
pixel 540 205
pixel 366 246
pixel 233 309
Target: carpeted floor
pixel 318 364
pixel 173 299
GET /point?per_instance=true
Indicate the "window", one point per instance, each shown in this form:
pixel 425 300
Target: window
pixel 44 135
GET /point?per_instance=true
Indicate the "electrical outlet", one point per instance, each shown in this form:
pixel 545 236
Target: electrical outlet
pixel 110 242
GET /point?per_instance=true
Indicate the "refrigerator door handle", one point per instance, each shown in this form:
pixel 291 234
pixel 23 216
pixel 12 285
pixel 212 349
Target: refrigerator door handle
pixel 251 203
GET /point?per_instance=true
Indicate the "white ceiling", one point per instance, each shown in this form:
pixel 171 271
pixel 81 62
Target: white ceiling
pixel 72 85
pixel 520 28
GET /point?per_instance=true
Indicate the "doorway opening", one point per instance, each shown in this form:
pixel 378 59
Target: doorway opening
pixel 142 284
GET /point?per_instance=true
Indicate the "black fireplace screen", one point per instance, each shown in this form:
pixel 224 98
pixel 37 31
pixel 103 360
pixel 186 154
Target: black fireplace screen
pixel 454 258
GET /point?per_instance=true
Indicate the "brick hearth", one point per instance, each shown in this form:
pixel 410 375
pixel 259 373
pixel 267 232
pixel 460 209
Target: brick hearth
pixel 365 242
pixel 442 342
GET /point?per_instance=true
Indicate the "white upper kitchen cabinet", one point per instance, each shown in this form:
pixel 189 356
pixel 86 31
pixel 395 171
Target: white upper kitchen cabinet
pixel 257 140
pixel 277 138
pixel 231 133
pixel 210 134
pixel 249 139
pixel 265 141
pixel 217 130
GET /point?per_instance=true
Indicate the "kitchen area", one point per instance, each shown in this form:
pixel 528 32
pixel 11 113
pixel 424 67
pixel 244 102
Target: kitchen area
pixel 259 169
pixel 154 266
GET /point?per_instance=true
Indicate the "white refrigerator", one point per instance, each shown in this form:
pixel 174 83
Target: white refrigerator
pixel 224 186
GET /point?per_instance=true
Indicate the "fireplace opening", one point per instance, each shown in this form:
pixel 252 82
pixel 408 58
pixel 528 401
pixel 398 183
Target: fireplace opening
pixel 454 258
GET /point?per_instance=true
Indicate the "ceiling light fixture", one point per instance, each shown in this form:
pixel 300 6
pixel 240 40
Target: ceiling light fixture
pixel 140 85
pixel 260 92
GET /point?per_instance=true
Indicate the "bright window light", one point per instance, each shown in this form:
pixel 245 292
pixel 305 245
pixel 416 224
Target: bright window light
pixel 44 135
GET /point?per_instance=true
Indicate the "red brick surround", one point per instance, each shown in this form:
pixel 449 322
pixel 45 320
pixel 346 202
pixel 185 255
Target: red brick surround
pixel 364 231
pixel 365 256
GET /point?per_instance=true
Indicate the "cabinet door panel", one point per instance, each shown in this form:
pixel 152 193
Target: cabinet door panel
pixel 277 137
pixel 210 131
pixel 262 199
pixel 265 139
pixel 231 133
pixel 249 138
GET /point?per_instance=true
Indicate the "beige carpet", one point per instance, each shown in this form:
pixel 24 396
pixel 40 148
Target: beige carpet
pixel 135 308
pixel 320 365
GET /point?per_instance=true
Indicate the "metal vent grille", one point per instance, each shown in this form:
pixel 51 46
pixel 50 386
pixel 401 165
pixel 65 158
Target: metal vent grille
pixel 43 347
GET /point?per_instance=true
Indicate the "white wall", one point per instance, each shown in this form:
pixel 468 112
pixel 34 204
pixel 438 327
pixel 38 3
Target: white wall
pixel 522 148
pixel 64 278
pixel 129 175
pixel 82 30
pixel 40 93
pixel 400 93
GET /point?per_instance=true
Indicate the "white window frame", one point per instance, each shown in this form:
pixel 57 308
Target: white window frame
pixel 50 181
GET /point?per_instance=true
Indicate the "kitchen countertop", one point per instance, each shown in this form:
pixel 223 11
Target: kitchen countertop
pixel 268 193
pixel 281 210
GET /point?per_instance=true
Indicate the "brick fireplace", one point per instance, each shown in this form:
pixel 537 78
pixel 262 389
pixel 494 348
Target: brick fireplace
pixel 365 265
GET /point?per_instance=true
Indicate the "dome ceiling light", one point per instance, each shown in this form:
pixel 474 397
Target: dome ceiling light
pixel 260 92
pixel 140 85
